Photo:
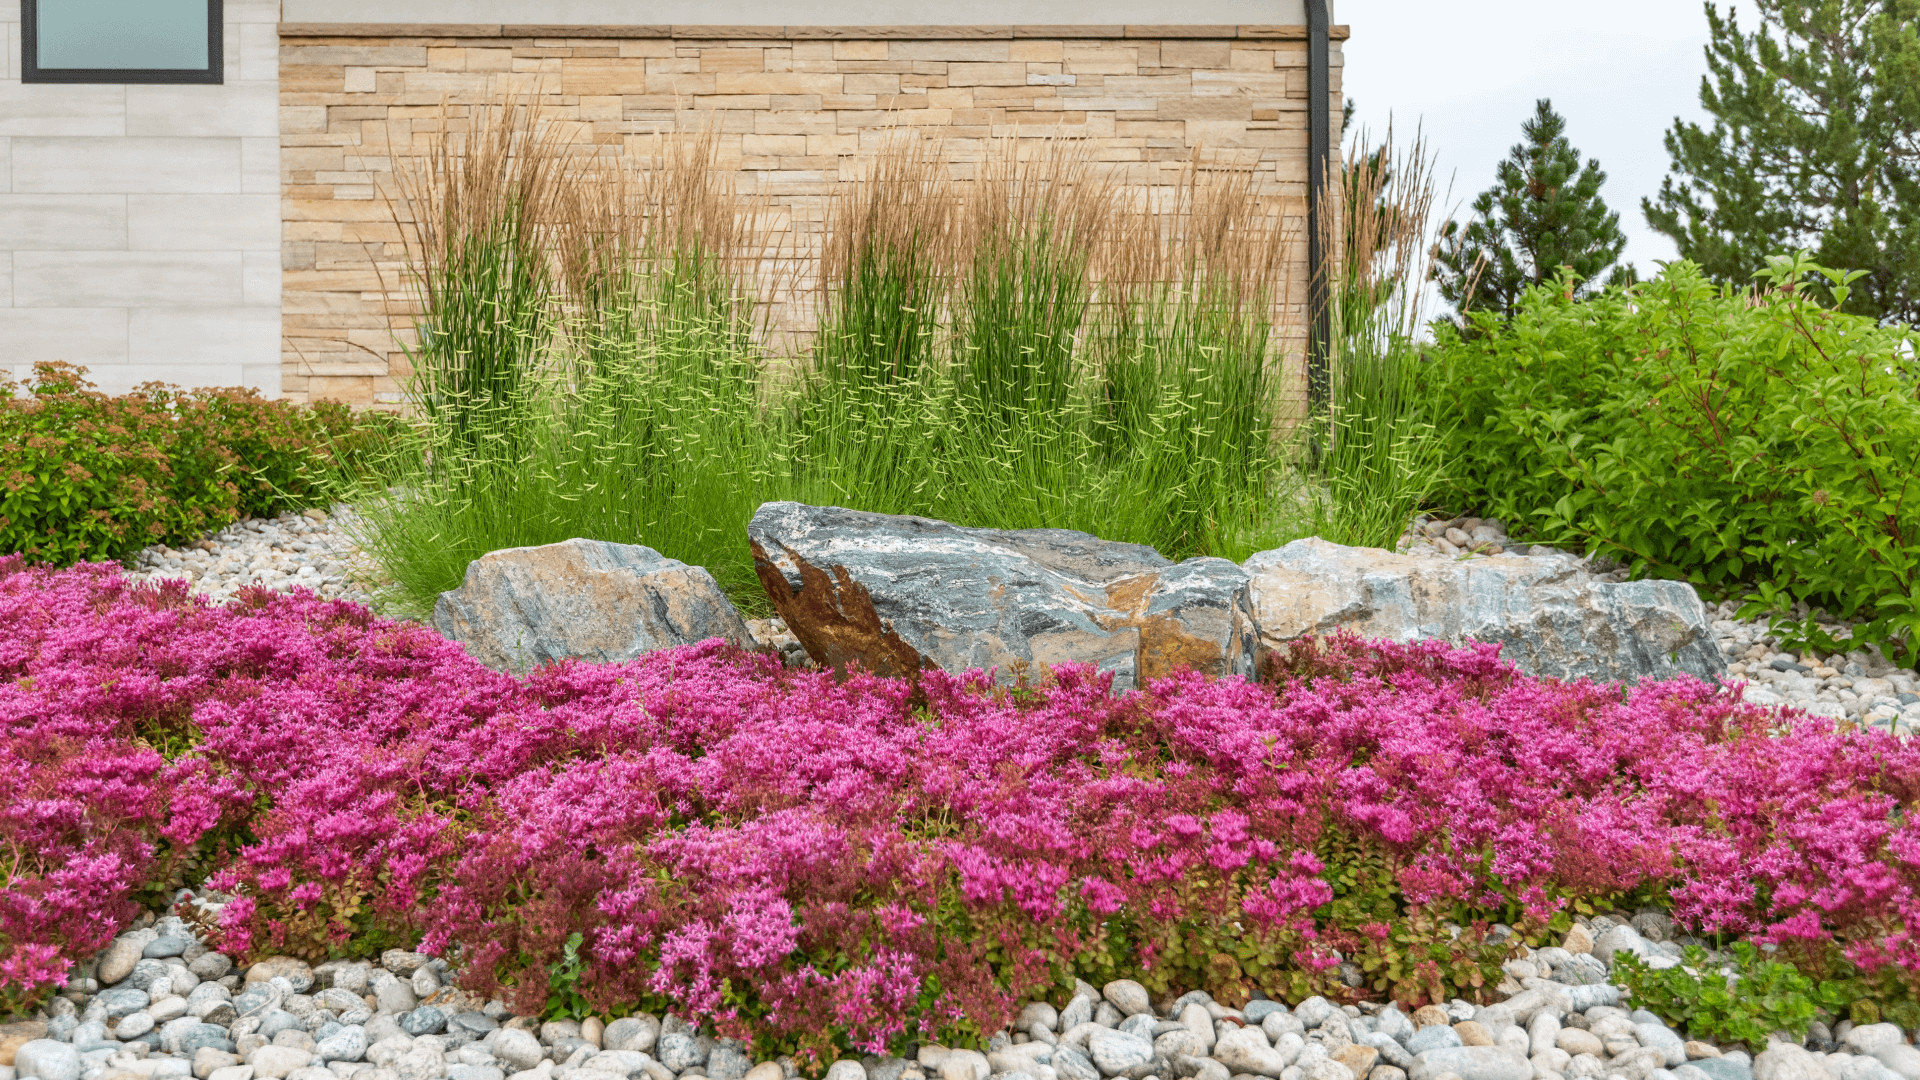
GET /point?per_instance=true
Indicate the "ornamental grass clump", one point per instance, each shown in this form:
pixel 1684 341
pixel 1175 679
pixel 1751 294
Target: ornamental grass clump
pixel 1030 345
pixel 830 864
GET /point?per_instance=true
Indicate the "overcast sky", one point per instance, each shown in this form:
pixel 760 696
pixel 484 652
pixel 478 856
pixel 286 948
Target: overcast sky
pixel 1618 70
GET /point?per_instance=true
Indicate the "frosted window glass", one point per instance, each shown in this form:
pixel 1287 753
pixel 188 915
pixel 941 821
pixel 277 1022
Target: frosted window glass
pixel 162 35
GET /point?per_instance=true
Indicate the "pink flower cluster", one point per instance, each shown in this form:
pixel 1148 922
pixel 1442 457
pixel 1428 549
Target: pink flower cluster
pixel 814 860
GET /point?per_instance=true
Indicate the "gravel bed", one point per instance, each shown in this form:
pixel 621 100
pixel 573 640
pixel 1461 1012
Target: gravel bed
pixel 158 1004
pixel 308 550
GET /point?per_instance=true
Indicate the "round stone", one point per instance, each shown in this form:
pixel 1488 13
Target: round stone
pixel 678 1052
pixel 277 1021
pixel 476 1023
pixel 347 1044
pixel 47 1060
pixel 166 945
pixel 1256 1011
pixel 847 1069
pixel 203 1036
pixel 728 1063
pixel 402 962
pixel 1128 996
pixel 147 972
pixel 636 1032
pixel 519 1049
pixel 1116 1051
pixel 425 1020
pixel 120 1001
pixel 134 1025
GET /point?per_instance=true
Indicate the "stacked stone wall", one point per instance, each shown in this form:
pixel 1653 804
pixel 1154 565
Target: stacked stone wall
pixel 795 111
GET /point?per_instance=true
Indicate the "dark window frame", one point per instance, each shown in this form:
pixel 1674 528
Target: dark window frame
pixel 32 72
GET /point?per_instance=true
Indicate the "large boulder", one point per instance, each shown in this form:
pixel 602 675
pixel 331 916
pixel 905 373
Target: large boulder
pixel 901 594
pixel 1549 615
pixel 520 608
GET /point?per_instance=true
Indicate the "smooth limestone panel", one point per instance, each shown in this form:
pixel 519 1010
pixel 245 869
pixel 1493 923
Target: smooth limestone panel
pixel 6 163
pixel 63 222
pixel 82 165
pixel 235 109
pixel 214 335
pixel 88 336
pixel 6 279
pixel 62 109
pixel 127 278
pixel 261 277
pixel 202 222
pixel 252 11
pixel 260 168
pixel 257 47
pixel 262 377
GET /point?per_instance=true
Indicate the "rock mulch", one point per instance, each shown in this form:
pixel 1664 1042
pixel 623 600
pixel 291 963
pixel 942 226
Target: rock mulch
pixel 157 1004
pixel 1859 685
pixel 308 550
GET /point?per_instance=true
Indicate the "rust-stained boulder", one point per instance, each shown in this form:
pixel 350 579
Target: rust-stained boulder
pixel 898 594
pixel 520 608
pixel 1551 616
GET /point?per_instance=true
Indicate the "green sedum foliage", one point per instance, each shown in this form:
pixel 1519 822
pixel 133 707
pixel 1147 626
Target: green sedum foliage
pixel 1759 997
pixel 1756 443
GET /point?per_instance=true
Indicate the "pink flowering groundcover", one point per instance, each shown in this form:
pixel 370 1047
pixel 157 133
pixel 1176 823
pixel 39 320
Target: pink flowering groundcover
pixel 819 862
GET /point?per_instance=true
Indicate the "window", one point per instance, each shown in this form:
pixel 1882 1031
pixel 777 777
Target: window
pixel 120 41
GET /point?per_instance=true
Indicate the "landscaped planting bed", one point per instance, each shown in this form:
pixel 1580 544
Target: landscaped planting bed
pixel 818 865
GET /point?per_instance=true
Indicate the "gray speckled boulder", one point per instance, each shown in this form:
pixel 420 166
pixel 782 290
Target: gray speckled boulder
pixel 900 594
pixel 1550 616
pixel 520 608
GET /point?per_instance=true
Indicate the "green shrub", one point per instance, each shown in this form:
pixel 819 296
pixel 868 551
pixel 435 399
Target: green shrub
pixel 89 477
pixel 1754 442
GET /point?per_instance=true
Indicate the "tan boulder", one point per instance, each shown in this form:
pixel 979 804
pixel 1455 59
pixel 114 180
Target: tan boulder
pixel 520 608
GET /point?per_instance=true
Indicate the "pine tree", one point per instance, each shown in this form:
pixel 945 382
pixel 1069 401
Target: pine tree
pixel 1815 144
pixel 1543 212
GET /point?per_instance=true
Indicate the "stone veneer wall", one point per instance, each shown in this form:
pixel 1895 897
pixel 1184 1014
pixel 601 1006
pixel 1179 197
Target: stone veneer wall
pixel 795 109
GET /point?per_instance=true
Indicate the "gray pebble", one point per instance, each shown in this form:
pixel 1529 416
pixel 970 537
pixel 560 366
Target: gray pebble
pixel 120 1001
pixel 638 1032
pixel 425 1020
pixel 347 1044
pixel 1128 996
pixel 1257 1011
pixel 1432 1037
pixel 47 1060
pixel 166 945
pixel 277 1021
pixel 678 1052
pixel 477 1023
pixel 727 1063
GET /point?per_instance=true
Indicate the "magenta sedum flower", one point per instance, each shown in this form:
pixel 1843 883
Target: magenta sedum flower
pixel 854 863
